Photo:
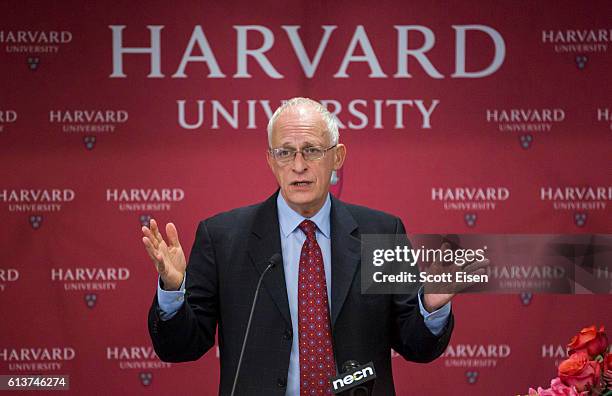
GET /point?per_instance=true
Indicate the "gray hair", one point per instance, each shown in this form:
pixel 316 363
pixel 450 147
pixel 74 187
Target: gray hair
pixel 328 118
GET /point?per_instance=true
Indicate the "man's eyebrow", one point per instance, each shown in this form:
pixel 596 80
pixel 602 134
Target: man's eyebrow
pixel 304 145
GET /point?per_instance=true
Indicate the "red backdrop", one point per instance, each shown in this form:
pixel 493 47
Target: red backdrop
pixel 431 95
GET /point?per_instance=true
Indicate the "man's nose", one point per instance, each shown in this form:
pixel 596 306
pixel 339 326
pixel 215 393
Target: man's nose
pixel 299 163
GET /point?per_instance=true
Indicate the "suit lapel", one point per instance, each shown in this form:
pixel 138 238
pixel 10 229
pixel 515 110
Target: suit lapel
pixel 264 242
pixel 345 254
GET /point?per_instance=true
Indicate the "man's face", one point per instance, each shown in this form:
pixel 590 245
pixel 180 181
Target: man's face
pixel 304 184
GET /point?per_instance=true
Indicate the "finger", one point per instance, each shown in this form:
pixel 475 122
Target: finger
pixel 149 248
pixel 149 235
pixel 474 282
pixel 479 271
pixel 155 255
pixel 172 235
pixel 443 248
pixel 164 256
pixel 477 265
pixel 155 231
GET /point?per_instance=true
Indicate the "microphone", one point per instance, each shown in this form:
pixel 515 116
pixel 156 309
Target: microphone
pixel 355 380
pixel 272 262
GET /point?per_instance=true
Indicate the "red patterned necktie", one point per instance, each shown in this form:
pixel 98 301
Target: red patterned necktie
pixel 316 352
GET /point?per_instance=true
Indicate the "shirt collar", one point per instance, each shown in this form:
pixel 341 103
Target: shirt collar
pixel 289 219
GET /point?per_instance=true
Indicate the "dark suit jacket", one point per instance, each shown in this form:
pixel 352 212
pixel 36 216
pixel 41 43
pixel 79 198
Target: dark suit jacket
pixel 231 250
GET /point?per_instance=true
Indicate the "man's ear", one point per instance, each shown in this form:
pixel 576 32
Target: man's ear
pixel 340 155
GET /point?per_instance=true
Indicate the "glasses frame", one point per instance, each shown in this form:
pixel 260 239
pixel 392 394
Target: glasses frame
pixel 273 151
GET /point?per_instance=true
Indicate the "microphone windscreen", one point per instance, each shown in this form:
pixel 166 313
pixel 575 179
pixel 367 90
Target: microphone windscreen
pixel 275 259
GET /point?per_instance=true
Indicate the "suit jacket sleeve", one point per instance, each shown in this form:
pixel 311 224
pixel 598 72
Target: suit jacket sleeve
pixel 411 338
pixel 191 332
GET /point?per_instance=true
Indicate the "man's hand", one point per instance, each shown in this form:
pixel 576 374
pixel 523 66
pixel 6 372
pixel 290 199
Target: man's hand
pixel 435 295
pixel 168 259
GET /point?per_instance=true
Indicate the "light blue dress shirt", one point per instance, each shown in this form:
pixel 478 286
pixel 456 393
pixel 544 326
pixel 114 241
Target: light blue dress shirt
pixel 292 239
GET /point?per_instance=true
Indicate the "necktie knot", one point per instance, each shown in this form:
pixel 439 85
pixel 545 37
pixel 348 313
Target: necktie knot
pixel 309 228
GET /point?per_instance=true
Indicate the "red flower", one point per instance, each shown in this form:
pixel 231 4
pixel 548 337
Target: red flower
pixel 607 370
pixel 589 340
pixel 579 371
pixel 607 363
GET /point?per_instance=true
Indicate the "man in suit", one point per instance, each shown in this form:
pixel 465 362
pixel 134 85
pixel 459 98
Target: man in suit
pixel 310 316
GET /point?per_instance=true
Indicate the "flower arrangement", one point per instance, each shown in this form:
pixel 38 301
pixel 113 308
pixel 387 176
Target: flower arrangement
pixel 588 369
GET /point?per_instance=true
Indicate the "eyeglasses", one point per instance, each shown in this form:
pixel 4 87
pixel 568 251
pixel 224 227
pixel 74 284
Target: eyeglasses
pixel 286 155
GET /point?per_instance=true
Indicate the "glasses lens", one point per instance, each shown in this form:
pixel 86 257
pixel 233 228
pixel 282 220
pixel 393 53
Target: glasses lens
pixel 283 155
pixel 312 153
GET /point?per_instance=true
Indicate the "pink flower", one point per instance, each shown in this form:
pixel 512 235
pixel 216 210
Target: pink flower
pixel 557 388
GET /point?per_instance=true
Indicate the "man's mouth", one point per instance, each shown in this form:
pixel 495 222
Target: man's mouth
pixel 301 183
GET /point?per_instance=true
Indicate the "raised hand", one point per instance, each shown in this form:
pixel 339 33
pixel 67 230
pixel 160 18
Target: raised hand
pixel 437 294
pixel 169 259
